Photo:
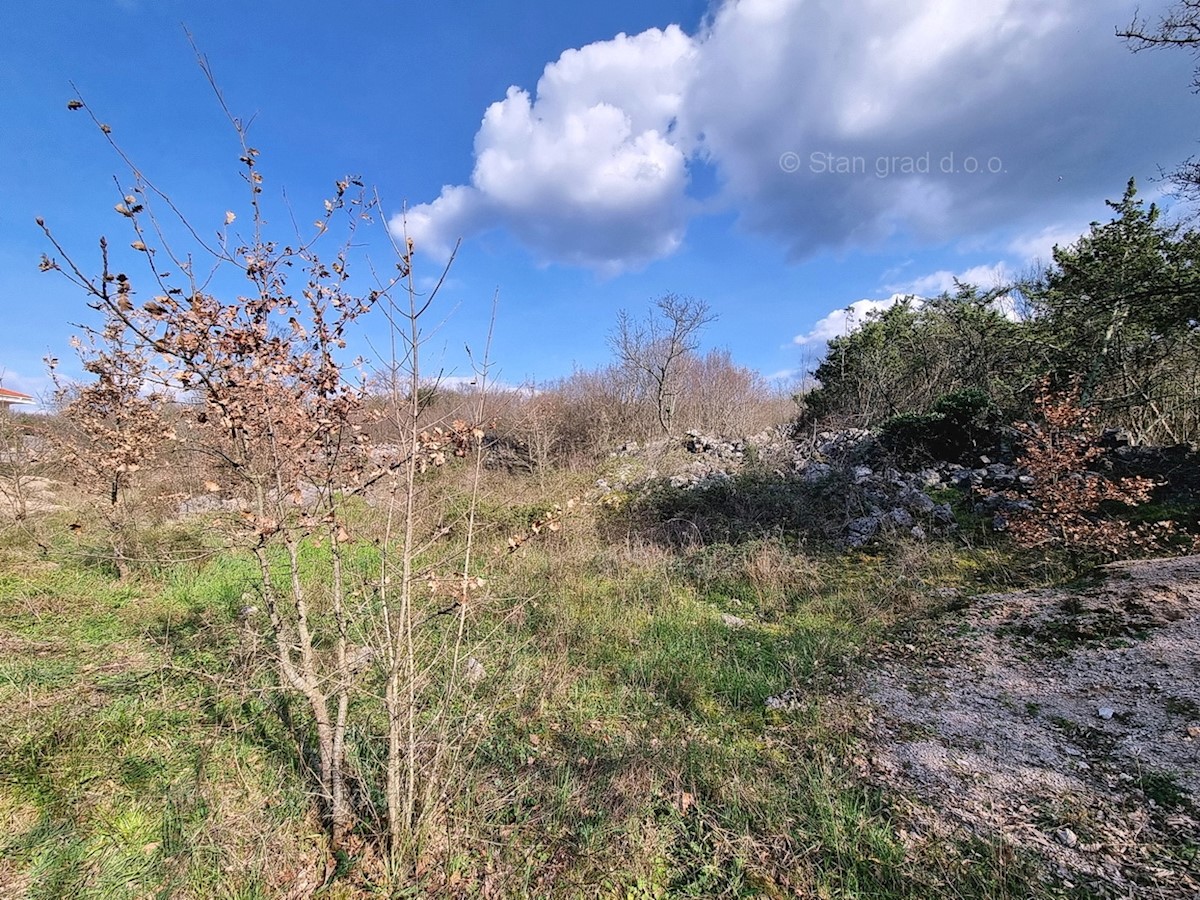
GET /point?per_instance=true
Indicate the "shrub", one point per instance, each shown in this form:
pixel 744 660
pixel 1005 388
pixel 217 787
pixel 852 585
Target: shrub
pixel 255 382
pixel 960 423
pixel 1068 503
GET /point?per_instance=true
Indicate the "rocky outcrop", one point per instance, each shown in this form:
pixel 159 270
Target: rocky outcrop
pixel 881 501
pixel 885 501
pixel 1176 468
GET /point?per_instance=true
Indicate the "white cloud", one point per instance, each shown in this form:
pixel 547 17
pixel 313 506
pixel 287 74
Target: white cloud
pixel 1030 250
pixel 915 293
pixel 906 97
pixel 952 119
pixel 588 171
pixel 784 375
pixel 984 277
pixel 843 321
pixel 1037 246
pixel 436 227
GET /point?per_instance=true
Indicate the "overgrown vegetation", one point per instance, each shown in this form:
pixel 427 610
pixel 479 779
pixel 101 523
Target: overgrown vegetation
pixel 368 641
pixel 903 360
pixel 959 425
pixel 286 624
pixel 1068 497
pixel 621 742
pixel 1118 312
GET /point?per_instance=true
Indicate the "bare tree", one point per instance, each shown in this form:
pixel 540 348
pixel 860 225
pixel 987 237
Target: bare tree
pixel 654 349
pixel 282 420
pixel 114 427
pixel 1179 27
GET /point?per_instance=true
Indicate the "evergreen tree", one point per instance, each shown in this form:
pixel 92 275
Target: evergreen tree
pixel 1120 307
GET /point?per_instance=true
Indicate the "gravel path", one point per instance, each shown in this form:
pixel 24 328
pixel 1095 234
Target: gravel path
pixel 1064 724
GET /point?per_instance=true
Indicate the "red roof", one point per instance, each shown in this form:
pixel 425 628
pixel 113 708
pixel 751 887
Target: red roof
pixel 14 396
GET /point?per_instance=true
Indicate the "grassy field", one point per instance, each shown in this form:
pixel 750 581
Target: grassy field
pixel 615 742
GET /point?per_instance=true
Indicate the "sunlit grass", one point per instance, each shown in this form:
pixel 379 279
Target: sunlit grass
pixel 618 745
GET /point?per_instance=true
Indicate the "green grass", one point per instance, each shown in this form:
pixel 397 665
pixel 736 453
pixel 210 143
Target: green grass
pixel 1164 790
pixel 115 781
pixel 619 745
pixel 655 769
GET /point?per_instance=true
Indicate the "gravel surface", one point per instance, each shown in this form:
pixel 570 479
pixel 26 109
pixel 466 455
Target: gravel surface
pixel 1063 723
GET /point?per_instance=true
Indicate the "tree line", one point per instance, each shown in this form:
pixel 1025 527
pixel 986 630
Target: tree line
pixel 1117 313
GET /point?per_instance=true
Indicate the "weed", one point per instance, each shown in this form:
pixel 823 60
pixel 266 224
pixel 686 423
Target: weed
pixel 1163 789
pixel 619 733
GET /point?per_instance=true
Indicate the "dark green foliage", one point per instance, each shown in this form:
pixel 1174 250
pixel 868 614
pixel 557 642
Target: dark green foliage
pixel 968 408
pixel 910 435
pixel 906 358
pixel 962 422
pixel 1164 790
pixel 1120 308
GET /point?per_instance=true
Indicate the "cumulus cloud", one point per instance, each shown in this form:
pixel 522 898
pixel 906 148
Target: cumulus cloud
pixel 1037 246
pixel 828 125
pixel 843 321
pixel 849 125
pixel 586 171
pixel 1029 251
pixel 985 277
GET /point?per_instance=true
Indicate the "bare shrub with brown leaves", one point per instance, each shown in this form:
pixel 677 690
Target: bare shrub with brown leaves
pixel 256 385
pixel 115 432
pixel 1067 495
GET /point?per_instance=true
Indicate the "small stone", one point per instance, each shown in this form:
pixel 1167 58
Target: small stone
pixel 943 514
pixel 1067 837
pixel 1105 712
pixel 930 478
pixel 788 700
pixel 861 530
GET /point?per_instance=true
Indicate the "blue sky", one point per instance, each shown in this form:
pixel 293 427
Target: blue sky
pixel 781 159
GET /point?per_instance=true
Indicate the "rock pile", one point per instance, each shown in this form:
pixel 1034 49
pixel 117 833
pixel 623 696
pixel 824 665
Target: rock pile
pixel 882 499
pixel 888 500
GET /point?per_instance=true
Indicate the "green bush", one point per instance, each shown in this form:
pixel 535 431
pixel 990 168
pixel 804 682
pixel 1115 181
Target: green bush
pixel 961 422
